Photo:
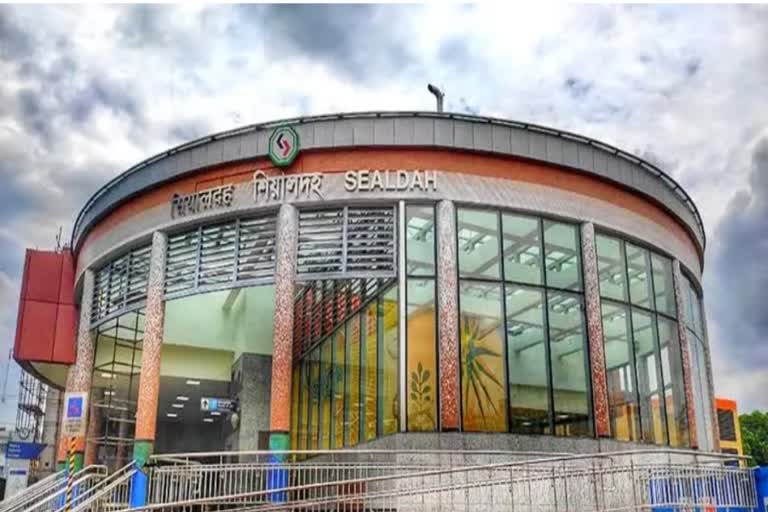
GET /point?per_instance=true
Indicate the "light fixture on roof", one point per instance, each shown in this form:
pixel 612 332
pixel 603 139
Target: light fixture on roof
pixel 207 420
pixel 172 415
pixel 182 398
pixel 193 382
pixel 177 406
pixel 215 413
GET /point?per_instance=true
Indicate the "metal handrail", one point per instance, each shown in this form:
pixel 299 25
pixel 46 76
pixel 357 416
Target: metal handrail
pixel 34 490
pixel 82 480
pixel 100 491
pixel 540 473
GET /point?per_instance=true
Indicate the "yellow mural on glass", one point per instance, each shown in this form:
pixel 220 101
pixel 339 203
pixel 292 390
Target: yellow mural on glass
pixel 422 357
pixel 325 391
pixel 352 382
pixel 295 408
pixel 314 388
pixel 338 388
pixel 370 369
pixel 482 363
pixel 389 361
pixel 304 406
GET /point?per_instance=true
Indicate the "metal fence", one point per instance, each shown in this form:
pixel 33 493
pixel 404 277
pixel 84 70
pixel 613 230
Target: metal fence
pixel 51 498
pixel 449 481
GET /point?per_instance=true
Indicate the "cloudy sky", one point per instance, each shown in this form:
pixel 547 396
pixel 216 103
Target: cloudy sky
pixel 87 92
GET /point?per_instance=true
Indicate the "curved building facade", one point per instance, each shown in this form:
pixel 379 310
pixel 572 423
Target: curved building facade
pixel 369 279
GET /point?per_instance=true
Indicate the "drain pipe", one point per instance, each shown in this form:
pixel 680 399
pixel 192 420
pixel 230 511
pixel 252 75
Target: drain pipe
pixel 438 96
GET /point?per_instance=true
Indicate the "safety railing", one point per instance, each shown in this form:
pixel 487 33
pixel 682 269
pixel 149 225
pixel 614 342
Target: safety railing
pixel 55 500
pixel 112 493
pixel 32 493
pixel 450 481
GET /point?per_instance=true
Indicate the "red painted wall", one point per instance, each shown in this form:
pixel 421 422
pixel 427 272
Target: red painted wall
pixel 47 319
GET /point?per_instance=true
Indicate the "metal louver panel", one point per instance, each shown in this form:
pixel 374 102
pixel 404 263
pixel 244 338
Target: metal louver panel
pixel 321 242
pixel 220 255
pixel 347 242
pixel 371 240
pixel 121 284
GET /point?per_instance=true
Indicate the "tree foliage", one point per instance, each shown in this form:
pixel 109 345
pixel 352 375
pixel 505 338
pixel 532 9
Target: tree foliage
pixel 754 436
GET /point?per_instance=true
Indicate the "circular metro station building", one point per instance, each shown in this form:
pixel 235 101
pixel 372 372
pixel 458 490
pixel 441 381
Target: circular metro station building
pixel 382 280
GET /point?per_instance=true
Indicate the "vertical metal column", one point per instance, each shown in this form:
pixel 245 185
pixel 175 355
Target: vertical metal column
pixel 595 330
pixel 710 380
pixel 685 351
pixel 448 315
pixel 402 314
pixel 81 372
pixel 149 382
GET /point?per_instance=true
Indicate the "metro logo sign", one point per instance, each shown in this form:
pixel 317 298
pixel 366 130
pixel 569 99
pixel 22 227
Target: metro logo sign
pixel 283 146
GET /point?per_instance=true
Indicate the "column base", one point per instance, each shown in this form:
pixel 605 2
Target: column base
pixel 277 478
pixel 142 450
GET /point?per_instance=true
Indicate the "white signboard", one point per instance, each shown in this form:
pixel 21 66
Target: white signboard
pixel 75 409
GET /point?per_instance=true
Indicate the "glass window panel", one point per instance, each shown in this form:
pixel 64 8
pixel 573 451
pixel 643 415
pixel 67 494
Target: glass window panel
pixel 422 355
pixel 294 437
pixel 522 249
pixel 527 360
pixel 420 240
pixel 388 365
pixel 622 395
pixel 611 268
pixel 315 388
pixel 482 357
pixel 326 390
pixel 672 375
pixel 352 383
pixel 562 255
pixel 664 290
pixel 569 363
pixel 369 318
pixel 478 243
pixel 638 263
pixel 652 422
pixel 339 344
pixel 304 412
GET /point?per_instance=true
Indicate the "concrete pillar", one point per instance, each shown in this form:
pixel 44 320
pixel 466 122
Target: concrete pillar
pixel 685 350
pixel 149 382
pixel 595 331
pixel 81 372
pixel 282 349
pixel 448 316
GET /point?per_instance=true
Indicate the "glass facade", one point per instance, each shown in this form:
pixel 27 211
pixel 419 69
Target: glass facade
pixel 646 397
pixel 524 357
pixel 524 362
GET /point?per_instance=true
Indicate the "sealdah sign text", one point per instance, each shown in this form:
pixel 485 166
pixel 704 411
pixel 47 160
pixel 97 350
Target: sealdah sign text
pixel 392 181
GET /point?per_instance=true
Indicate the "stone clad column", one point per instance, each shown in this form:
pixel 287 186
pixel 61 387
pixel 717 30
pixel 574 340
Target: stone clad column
pixel 149 382
pixel 595 331
pixel 448 316
pixel 282 338
pixel 81 372
pixel 685 351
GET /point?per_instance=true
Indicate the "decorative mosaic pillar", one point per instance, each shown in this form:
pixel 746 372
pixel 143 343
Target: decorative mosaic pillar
pixel 81 372
pixel 710 381
pixel 149 382
pixel 282 346
pixel 94 429
pixel 595 331
pixel 448 316
pixel 685 351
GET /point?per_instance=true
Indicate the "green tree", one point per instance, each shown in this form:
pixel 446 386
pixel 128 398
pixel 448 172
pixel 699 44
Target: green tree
pixel 754 436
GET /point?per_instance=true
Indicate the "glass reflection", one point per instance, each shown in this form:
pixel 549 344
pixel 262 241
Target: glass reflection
pixel 611 269
pixel 570 366
pixel 648 379
pixel 620 377
pixel 638 268
pixel 672 376
pixel 527 360
pixel 420 242
pixel 478 239
pixel 522 249
pixel 482 361
pixel 422 355
pixel 562 255
pixel 664 290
